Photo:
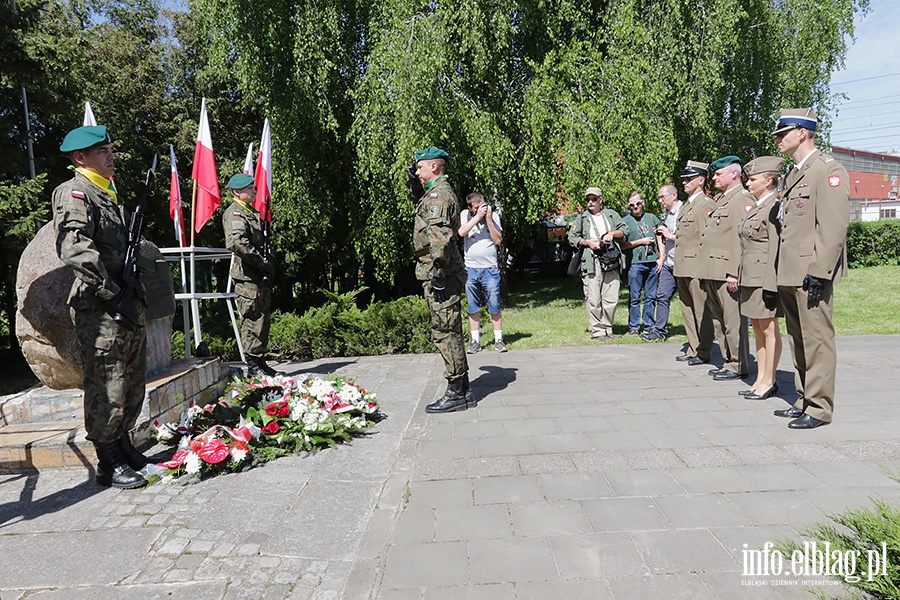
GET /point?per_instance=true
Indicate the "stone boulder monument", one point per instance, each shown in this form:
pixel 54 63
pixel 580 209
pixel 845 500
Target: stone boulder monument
pixel 43 324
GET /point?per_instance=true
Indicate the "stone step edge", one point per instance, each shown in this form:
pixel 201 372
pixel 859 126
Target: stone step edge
pixel 36 446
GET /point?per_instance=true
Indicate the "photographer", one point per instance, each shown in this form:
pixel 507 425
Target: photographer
pixel 481 230
pixel 591 233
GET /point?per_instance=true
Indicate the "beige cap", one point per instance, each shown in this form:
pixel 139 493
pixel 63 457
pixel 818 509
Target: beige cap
pixel 764 164
pixel 592 191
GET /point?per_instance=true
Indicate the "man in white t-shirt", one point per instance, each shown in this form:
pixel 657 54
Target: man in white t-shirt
pixel 481 230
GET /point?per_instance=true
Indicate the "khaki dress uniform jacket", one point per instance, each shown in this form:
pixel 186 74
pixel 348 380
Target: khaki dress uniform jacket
pixel 92 239
pixel 759 232
pixel 719 257
pixel 815 218
pixel 438 259
pixel 697 321
pixel 250 271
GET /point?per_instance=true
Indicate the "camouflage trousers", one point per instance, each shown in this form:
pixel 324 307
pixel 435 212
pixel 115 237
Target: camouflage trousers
pixel 253 302
pixel 115 374
pixel 446 329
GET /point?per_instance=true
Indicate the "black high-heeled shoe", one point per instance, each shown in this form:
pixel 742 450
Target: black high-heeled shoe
pixel 768 392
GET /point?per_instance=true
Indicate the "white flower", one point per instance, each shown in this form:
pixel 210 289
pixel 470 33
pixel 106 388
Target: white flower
pixel 192 463
pixel 320 387
pixel 349 393
pixel 238 455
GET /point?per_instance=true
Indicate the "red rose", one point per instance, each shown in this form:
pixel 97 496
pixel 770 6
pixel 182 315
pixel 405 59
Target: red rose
pixel 214 452
pixel 272 428
pixel 284 411
pixel 272 410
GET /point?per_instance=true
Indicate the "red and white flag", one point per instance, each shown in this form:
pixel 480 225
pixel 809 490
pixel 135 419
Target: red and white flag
pixel 248 162
pixel 89 116
pixel 263 176
pixel 175 201
pixel 204 173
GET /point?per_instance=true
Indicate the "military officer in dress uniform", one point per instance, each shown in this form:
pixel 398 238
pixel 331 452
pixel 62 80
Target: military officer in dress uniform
pixel 690 223
pixel 251 271
pixel 812 258
pixel 91 227
pixel 720 257
pixel 441 269
pixel 759 232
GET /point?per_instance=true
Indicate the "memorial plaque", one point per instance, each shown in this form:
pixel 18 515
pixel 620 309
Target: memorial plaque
pixel 159 291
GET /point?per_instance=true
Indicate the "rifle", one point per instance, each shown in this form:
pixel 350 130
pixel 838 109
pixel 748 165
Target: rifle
pixel 135 230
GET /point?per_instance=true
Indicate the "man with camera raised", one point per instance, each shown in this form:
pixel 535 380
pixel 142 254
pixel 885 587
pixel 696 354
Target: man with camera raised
pixel 481 232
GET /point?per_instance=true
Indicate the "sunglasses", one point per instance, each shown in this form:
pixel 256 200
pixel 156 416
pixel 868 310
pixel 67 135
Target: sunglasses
pixel 594 199
pixel 635 205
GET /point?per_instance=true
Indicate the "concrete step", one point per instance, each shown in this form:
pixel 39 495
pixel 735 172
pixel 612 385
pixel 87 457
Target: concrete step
pixel 57 438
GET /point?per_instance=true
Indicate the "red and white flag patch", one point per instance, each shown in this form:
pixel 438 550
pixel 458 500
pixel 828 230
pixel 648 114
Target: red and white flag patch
pixel 747 208
pixel 834 180
pixel 77 194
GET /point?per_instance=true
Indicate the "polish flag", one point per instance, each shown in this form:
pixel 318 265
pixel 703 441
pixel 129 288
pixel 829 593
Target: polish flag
pixel 263 176
pixel 204 174
pixel 248 162
pixel 89 116
pixel 175 201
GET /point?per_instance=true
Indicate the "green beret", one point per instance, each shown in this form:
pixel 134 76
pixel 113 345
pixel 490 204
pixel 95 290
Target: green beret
pixel 430 154
pixel 85 137
pixel 240 181
pixel 723 162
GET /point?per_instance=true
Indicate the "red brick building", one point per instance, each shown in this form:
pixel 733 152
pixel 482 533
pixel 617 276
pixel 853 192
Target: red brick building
pixel 874 182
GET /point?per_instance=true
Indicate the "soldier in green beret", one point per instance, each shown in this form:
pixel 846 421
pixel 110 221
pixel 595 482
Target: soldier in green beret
pixel 91 227
pixel 251 271
pixel 720 257
pixel 441 270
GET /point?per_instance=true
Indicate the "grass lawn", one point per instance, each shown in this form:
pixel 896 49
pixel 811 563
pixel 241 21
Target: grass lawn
pixel 543 313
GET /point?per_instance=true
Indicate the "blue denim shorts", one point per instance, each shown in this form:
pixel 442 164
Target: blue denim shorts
pixel 486 281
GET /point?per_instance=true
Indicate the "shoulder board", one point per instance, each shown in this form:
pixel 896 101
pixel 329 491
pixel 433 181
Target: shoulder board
pixel 78 194
pixel 829 159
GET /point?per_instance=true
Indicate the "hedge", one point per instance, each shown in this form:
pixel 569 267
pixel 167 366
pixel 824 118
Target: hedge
pixel 871 244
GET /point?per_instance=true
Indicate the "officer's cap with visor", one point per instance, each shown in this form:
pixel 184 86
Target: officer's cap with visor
pixel 694 168
pixel 796 118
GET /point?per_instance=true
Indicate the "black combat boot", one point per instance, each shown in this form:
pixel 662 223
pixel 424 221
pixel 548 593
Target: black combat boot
pixel 135 459
pixel 454 398
pixel 112 470
pixel 257 366
pixel 471 401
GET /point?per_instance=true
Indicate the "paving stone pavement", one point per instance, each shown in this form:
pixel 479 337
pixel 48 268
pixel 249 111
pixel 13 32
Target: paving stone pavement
pixel 585 473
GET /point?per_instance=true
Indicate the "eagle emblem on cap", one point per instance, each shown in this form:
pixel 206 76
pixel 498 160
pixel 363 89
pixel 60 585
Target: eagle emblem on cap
pixel 834 180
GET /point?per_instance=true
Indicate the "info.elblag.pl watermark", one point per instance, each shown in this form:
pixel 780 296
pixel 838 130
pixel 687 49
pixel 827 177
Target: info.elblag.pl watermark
pixel 814 564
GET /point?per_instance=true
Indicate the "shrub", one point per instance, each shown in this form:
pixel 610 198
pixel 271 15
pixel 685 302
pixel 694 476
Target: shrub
pixel 340 328
pixel 871 244
pixel 861 530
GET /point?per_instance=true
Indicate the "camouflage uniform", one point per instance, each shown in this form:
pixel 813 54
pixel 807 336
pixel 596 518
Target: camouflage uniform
pixel 250 272
pixel 437 246
pixel 91 239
